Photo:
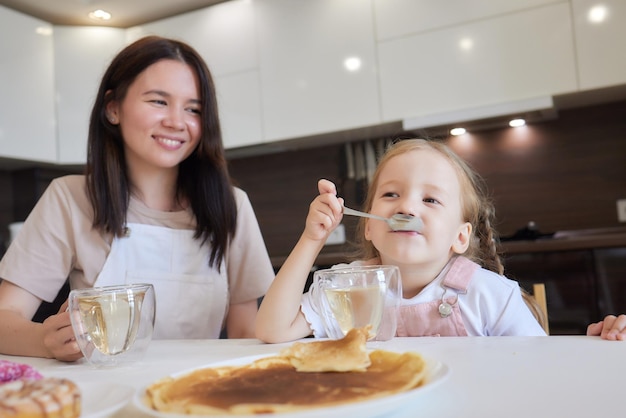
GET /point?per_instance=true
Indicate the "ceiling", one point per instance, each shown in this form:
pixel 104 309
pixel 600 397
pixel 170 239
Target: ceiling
pixel 125 13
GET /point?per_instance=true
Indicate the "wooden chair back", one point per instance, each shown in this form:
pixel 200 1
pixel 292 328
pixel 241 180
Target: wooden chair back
pixel 537 303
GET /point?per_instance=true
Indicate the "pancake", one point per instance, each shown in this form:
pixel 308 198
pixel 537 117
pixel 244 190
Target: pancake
pixel 274 385
pixel 345 355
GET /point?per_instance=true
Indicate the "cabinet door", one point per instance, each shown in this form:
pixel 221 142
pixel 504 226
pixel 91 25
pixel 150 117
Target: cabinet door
pixel 304 47
pixel 395 18
pixel 81 54
pixel 27 123
pixel 507 58
pixel 239 102
pixel 224 35
pixel 600 35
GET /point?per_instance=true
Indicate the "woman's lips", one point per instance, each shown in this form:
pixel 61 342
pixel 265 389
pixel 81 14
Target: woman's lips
pixel 169 142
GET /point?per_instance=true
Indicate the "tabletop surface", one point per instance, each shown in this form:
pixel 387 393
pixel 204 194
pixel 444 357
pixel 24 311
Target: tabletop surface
pixel 556 376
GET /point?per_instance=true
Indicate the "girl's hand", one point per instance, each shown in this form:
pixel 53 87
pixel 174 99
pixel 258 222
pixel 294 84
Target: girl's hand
pixel 58 336
pixel 611 328
pixel 325 212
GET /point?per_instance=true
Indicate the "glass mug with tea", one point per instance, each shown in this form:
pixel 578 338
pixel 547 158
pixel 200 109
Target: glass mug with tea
pixel 113 325
pixel 354 297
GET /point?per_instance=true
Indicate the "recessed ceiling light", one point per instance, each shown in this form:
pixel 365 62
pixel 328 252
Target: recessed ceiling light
pixel 352 64
pixel 466 44
pixel 457 131
pixel 514 123
pixel 44 30
pixel 598 14
pixel 99 15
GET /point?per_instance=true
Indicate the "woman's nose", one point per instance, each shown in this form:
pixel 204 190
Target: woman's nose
pixel 175 119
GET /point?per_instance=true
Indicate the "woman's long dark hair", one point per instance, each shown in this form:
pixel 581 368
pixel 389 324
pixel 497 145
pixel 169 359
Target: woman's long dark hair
pixel 202 178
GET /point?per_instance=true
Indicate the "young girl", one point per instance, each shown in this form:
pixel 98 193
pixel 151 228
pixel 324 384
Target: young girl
pixel 440 263
pixel 156 205
pixel 453 259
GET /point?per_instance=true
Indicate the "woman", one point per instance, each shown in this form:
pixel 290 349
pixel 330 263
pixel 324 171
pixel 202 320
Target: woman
pixel 156 205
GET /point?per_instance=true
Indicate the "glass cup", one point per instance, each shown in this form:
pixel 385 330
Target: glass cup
pixel 113 325
pixel 355 297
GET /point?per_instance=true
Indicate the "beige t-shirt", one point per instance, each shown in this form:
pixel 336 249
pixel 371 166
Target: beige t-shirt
pixel 58 240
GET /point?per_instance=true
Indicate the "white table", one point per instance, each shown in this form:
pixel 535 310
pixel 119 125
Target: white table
pixel 558 376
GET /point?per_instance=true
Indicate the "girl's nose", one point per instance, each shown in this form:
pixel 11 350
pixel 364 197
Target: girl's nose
pixel 407 207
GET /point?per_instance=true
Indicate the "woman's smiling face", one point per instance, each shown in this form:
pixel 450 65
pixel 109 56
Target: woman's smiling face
pixel 422 183
pixel 160 116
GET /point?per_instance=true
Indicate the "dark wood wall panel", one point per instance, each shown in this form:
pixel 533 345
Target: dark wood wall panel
pixel 564 174
pixel 281 186
pixel 568 173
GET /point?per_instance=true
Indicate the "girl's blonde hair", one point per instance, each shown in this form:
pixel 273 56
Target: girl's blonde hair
pixel 477 208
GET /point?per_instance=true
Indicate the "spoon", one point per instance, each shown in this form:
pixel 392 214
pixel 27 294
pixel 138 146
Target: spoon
pixel 398 222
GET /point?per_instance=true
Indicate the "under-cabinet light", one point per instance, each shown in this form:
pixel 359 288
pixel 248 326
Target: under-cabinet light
pixel 457 131
pixel 478 113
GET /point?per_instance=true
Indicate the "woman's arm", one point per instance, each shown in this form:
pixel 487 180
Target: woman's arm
pixel 611 328
pixel 241 318
pixel 20 336
pixel 279 318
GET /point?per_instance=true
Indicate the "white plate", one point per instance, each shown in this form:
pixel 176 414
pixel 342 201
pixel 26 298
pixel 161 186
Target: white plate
pixel 100 400
pixel 436 372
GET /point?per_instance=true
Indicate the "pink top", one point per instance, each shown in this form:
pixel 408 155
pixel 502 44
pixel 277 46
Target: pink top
pixel 426 319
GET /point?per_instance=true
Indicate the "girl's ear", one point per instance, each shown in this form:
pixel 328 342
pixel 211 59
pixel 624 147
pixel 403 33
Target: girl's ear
pixel 462 241
pixel 367 230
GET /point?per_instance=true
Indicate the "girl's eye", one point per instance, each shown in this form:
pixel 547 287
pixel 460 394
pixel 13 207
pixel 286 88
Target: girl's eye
pixel 158 101
pixel 195 111
pixel 390 194
pixel 430 200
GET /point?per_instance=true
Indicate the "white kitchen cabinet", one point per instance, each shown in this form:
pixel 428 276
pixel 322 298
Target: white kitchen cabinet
pixel 305 86
pixel 239 103
pixel 225 36
pixel 600 42
pixel 27 119
pixel 506 58
pixel 280 65
pixel 395 18
pixel 81 55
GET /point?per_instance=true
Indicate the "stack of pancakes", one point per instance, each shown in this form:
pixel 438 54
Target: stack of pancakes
pixel 303 376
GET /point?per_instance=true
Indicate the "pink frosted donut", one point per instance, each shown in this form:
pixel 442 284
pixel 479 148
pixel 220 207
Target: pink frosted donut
pixel 10 371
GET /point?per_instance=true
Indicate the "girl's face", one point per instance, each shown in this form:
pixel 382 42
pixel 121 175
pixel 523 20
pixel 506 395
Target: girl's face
pixel 160 117
pixel 421 183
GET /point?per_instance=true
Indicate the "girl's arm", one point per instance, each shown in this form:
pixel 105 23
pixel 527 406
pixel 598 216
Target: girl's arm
pixel 279 318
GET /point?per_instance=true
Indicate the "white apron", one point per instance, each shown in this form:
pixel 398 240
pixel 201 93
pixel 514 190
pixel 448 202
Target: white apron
pixel 191 297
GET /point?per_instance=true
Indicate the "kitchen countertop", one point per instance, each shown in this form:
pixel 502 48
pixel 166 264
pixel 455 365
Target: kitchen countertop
pixel 584 239
pixel 587 239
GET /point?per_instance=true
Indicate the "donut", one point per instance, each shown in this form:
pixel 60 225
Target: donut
pixel 48 397
pixel 10 371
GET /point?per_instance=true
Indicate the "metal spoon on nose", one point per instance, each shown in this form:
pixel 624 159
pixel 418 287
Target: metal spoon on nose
pixel 398 222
